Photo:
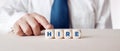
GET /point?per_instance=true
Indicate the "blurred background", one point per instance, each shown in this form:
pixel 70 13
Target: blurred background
pixel 115 10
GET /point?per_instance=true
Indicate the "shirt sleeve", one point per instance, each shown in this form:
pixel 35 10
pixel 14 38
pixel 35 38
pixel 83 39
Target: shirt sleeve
pixel 10 13
pixel 103 14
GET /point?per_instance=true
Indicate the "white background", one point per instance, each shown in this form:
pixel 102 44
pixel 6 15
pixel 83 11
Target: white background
pixel 115 9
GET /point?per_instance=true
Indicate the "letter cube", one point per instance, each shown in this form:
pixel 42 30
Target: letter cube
pixel 67 33
pixel 49 34
pixel 59 34
pixel 76 33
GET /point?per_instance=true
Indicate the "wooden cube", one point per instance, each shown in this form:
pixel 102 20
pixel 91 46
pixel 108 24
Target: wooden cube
pixel 67 33
pixel 59 33
pixel 76 33
pixel 49 34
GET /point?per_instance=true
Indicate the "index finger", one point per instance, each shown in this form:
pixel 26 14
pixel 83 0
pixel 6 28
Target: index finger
pixel 42 20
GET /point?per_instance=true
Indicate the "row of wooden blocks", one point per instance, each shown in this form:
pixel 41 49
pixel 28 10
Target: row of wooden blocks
pixel 63 34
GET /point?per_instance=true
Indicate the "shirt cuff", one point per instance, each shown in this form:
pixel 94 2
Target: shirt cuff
pixel 8 26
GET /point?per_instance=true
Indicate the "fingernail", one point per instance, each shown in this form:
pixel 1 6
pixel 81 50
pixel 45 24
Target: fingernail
pixel 49 26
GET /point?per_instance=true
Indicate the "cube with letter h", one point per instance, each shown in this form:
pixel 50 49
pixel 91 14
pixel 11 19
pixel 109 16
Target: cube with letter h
pixel 63 33
pixel 49 34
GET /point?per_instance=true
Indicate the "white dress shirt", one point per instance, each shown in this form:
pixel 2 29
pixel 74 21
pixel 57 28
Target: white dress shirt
pixel 84 14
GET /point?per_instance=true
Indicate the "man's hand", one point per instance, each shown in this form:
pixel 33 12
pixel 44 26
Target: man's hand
pixel 31 24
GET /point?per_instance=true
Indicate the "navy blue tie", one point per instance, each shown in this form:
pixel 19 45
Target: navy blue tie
pixel 60 14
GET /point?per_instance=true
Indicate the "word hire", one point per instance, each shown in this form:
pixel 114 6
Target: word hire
pixel 63 33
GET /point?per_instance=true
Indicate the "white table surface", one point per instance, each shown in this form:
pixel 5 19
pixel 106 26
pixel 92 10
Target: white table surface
pixel 91 40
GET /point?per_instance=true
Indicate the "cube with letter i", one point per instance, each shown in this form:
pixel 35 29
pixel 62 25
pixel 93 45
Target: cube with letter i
pixel 59 34
pixel 49 34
